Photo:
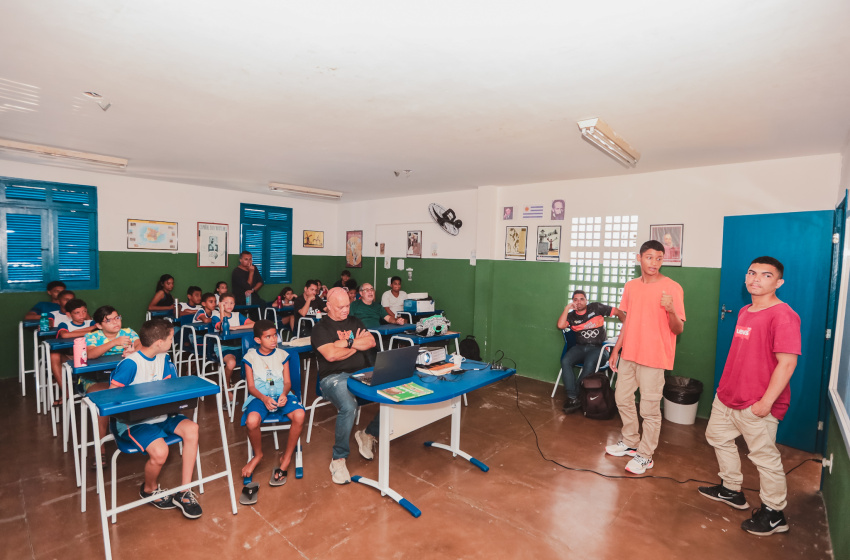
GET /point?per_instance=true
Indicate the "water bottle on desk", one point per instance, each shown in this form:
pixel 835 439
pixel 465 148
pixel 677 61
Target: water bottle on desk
pixel 247 299
pixel 176 309
pixel 225 326
pixel 80 355
pixel 44 323
pixel 279 302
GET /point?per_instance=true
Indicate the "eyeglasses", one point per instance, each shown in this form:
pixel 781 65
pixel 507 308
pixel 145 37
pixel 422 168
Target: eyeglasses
pixel 367 289
pixel 108 320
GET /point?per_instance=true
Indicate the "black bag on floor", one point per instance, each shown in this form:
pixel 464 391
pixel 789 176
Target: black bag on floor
pixel 469 348
pixel 597 397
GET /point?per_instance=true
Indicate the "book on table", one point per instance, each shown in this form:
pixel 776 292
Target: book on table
pixel 437 369
pixel 404 392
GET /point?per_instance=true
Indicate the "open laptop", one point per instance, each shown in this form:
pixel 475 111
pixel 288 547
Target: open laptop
pixel 391 365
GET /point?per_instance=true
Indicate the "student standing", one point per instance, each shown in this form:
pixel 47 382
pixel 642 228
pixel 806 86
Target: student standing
pixel 655 315
pixel 246 280
pixel 753 396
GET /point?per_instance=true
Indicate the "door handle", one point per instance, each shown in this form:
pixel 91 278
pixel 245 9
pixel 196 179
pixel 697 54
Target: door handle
pixel 724 311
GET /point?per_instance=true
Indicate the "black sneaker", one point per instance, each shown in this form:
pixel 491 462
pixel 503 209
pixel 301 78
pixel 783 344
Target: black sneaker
pixel 187 502
pixel 165 502
pixel 722 494
pixel 571 405
pixel 765 521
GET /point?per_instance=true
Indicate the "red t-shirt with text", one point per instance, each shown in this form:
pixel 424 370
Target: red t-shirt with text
pixel 759 336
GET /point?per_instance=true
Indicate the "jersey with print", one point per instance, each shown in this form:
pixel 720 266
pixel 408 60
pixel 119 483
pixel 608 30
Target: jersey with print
pixel 267 370
pixel 97 338
pixel 138 368
pixel 589 328
pixel 235 319
pixel 202 313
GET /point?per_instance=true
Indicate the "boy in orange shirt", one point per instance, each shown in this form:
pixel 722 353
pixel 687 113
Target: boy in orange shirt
pixel 655 314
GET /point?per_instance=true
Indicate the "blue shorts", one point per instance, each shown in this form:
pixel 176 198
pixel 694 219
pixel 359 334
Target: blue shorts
pixel 142 435
pixel 259 407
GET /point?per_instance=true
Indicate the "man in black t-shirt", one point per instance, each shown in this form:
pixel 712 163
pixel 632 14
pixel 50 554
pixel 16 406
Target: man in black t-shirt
pixel 342 343
pixel 246 279
pixel 587 321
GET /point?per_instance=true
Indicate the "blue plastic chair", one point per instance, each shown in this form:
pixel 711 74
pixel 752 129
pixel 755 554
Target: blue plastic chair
pixel 569 342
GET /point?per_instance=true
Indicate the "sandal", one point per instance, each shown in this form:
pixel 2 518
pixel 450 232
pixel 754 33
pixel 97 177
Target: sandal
pixel 278 478
pixel 249 494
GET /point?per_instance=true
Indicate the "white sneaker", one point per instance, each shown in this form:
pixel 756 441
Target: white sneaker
pixel 620 450
pixel 339 472
pixel 639 465
pixel 365 444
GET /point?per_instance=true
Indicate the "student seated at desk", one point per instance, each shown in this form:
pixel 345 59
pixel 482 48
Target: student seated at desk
pixel 286 299
pixel 267 373
pixel 308 302
pixel 162 299
pixel 220 290
pixel 59 316
pixel 370 311
pixel 192 303
pixel 111 339
pixel 393 300
pixel 207 309
pixel 236 321
pixel 151 363
pixel 53 290
pixel 74 326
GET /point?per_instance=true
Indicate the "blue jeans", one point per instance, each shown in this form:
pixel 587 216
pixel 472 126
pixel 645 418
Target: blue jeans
pixel 585 354
pixel 335 389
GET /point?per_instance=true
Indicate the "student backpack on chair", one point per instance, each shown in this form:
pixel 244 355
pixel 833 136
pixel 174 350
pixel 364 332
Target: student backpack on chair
pixel 597 397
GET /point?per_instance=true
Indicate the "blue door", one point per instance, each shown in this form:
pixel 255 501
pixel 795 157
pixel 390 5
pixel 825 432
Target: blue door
pixel 802 241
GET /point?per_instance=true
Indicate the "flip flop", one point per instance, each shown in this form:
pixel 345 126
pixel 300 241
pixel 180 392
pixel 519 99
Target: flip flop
pixel 278 478
pixel 249 494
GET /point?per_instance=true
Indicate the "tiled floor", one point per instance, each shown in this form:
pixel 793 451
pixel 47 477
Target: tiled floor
pixel 524 507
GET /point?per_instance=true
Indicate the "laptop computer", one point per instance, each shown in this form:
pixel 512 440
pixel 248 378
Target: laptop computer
pixel 390 366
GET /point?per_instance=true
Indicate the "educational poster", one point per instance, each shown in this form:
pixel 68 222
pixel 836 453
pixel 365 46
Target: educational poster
pixel 671 236
pixel 549 243
pixel 151 235
pixel 508 213
pixel 354 249
pixel 314 239
pixel 212 245
pixel 515 242
pixel 414 244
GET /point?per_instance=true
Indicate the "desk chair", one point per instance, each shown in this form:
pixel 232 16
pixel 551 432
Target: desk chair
pixel 274 319
pixel 569 342
pixel 304 320
pixel 215 346
pixel 129 448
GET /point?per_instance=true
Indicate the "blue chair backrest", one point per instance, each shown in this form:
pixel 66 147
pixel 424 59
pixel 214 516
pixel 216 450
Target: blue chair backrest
pixel 569 340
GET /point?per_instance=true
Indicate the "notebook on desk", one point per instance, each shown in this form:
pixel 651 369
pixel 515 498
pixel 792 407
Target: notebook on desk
pixel 391 366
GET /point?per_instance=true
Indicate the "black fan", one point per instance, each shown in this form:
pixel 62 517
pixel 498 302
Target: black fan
pixel 446 219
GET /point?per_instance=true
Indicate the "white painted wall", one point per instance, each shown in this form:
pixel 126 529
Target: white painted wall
pixel 121 198
pixel 844 183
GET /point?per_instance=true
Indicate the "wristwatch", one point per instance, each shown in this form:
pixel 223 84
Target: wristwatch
pixel 350 339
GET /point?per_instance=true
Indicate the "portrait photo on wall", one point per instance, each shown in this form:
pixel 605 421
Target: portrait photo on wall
pixel 414 244
pixel 354 249
pixel 508 213
pixel 515 242
pixel 549 243
pixel 212 245
pixel 672 237
pixel 557 209
pixel 314 239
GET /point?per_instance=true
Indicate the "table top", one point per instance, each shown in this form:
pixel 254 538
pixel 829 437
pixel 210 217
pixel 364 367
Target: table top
pixel 97 364
pixel 48 334
pixel 417 339
pixel 444 389
pixel 393 329
pixel 162 313
pixel 144 395
pixel 246 307
pixel 33 324
pixel 296 349
pixel 282 308
pixel 59 343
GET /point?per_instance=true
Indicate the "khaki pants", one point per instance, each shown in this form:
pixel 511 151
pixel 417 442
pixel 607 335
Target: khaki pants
pixel 630 377
pixel 724 426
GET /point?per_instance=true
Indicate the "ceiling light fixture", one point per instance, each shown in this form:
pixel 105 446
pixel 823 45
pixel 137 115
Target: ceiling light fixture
pixel 61 153
pixel 304 191
pixel 602 136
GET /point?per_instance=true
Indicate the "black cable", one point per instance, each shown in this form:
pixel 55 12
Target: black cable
pixel 617 476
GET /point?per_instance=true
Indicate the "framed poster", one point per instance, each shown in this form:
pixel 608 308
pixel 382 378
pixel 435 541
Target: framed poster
pixel 151 235
pixel 508 213
pixel 672 237
pixel 515 242
pixel 354 249
pixel 414 244
pixel 212 245
pixel 549 243
pixel 314 239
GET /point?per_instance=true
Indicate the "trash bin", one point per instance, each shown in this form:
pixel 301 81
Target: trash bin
pixel 681 399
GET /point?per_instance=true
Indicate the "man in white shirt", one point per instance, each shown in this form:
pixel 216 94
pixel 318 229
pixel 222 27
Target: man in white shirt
pixel 393 300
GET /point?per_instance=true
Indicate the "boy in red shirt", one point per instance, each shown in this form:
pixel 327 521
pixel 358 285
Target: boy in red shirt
pixel 753 397
pixel 655 315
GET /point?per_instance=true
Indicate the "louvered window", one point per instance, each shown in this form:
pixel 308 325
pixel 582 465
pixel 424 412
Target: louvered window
pixel 266 231
pixel 48 231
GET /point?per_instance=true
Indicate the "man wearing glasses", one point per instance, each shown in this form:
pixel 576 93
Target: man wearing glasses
pixel 369 311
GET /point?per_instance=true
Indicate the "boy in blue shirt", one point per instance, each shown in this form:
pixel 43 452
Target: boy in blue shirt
pixel 150 363
pixel 207 309
pixel 236 321
pixel 267 374
pixel 53 289
pixel 74 325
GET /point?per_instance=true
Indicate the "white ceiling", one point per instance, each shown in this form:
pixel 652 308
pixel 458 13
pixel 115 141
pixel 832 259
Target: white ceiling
pixel 338 94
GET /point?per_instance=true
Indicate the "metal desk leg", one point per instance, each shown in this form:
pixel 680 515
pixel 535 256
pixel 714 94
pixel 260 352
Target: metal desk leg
pixel 21 364
pixel 455 439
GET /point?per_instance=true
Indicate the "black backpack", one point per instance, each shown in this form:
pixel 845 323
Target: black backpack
pixel 597 397
pixel 469 348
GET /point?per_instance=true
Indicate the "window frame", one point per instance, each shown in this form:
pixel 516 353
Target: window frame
pixel 267 226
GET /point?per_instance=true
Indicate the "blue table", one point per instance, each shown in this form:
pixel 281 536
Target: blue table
pixel 414 339
pixel 400 418
pixel 389 330
pixel 137 397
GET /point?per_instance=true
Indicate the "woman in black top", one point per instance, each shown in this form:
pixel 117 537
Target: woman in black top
pixel 162 299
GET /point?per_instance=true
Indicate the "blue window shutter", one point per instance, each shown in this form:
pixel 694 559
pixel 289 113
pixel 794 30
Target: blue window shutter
pixel 267 233
pixel 24 255
pixel 280 255
pixel 249 213
pixel 74 247
pixel 26 192
pixel 252 240
pixel 70 195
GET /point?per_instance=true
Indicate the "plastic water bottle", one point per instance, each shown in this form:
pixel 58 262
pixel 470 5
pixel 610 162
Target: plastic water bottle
pixel 274 392
pixel 279 304
pixel 80 356
pixel 225 326
pixel 247 299
pixel 176 309
pixel 44 323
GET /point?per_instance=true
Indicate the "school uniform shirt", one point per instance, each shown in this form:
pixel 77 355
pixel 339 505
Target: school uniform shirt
pixel 265 367
pixel 138 368
pixel 45 307
pixel 589 327
pixel 759 336
pixel 186 307
pixel 648 340
pixel 71 326
pixel 202 313
pixel 235 319
pixel 395 304
pixel 97 338
pixel 58 317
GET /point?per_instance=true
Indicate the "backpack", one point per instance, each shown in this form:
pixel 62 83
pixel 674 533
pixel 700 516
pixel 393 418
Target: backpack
pixel 597 397
pixel 469 348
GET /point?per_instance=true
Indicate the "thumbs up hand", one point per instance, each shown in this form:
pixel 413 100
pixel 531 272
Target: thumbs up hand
pixel 667 302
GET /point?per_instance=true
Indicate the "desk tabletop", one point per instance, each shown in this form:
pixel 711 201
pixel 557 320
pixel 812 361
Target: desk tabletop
pixel 393 329
pixel 144 395
pixel 417 339
pixel 296 349
pixel 59 343
pixel 48 334
pixel 444 388
pixel 248 307
pixel 97 364
pixel 31 324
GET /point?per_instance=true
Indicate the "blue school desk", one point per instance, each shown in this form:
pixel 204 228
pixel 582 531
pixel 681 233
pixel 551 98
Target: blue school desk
pixel 389 330
pixel 401 418
pixel 22 369
pixel 414 339
pixel 43 378
pixel 137 397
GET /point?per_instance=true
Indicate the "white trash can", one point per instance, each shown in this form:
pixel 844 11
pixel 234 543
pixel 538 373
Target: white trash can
pixel 680 413
pixel 681 399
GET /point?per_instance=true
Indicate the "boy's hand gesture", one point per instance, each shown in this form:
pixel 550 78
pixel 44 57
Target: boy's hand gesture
pixel 270 403
pixel 667 302
pixel 281 401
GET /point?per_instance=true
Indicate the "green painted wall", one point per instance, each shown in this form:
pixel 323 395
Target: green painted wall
pixel 836 492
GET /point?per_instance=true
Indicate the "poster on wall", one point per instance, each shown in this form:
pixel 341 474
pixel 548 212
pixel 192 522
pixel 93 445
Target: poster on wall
pixel 515 242
pixel 414 244
pixel 151 235
pixel 672 237
pixel 532 212
pixel 508 213
pixel 212 245
pixel 314 239
pixel 354 249
pixel 549 243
